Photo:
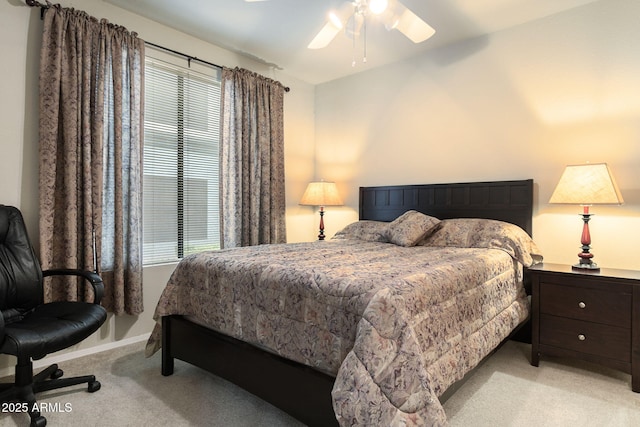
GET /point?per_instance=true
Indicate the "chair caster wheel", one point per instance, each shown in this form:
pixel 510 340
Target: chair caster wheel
pixel 93 386
pixel 38 422
pixel 57 374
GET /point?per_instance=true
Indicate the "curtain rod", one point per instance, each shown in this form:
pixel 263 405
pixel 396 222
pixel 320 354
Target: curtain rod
pixel 189 57
pixel 43 7
pixel 193 58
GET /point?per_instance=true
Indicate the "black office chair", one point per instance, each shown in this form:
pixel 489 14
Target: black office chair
pixel 31 329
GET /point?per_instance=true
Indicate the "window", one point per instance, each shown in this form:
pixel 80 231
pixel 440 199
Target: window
pixel 181 161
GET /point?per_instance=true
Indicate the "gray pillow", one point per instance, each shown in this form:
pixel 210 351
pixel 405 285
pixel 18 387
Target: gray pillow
pixel 410 228
pixel 486 233
pixel 370 231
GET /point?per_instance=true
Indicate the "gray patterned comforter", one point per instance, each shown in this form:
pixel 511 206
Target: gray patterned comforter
pixel 395 325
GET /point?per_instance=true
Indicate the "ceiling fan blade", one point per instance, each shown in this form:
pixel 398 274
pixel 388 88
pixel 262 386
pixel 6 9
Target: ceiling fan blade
pixel 411 25
pixel 336 22
pixel 325 36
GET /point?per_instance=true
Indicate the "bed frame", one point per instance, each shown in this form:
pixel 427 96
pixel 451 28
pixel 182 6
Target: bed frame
pixel 299 390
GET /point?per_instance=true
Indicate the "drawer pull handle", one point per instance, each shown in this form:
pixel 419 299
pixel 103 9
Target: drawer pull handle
pixel 581 337
pixel 581 304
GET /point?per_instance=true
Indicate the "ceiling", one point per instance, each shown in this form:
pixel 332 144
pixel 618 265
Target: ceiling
pixel 277 32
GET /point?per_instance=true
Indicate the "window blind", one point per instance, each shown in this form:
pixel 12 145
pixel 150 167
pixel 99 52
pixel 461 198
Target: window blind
pixel 181 162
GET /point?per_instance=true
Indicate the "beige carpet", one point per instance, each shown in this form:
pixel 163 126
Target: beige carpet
pixel 505 391
pixel 508 391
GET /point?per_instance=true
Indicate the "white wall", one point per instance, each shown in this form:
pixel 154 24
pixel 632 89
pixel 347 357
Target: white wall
pixel 521 103
pixel 20 35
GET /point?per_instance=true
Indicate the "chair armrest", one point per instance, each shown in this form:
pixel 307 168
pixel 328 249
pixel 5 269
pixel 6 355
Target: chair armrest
pixel 1 328
pixel 93 278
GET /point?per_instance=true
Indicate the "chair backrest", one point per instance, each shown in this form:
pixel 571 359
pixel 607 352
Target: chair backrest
pixel 20 272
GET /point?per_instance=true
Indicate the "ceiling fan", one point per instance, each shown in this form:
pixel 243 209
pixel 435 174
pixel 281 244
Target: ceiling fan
pixel 352 18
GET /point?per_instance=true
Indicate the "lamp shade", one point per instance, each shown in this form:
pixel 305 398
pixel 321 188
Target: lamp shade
pixel 587 184
pixel 321 194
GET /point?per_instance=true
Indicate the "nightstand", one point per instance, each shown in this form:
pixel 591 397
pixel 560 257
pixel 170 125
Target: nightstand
pixel 593 316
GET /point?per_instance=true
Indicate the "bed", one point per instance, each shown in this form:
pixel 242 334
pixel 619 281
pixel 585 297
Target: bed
pixel 316 329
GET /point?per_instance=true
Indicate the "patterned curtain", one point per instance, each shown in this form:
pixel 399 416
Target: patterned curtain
pixel 252 159
pixel 91 76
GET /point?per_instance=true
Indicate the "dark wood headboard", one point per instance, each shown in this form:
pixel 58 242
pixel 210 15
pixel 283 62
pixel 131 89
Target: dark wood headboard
pixel 509 201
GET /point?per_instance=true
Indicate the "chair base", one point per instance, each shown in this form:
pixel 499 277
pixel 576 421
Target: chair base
pixel 26 385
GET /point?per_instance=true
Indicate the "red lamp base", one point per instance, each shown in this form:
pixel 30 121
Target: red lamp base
pixel 321 235
pixel 585 256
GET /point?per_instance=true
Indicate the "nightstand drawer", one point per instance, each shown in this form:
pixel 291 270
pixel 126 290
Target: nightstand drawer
pixel 586 337
pixel 601 306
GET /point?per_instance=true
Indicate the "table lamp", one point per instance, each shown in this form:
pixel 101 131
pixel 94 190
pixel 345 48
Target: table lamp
pixel 321 194
pixel 586 185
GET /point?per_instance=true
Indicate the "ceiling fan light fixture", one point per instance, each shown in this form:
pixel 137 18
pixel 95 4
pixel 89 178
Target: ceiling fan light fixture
pixel 377 7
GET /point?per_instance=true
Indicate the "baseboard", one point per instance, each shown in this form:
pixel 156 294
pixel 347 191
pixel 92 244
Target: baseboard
pixel 78 353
